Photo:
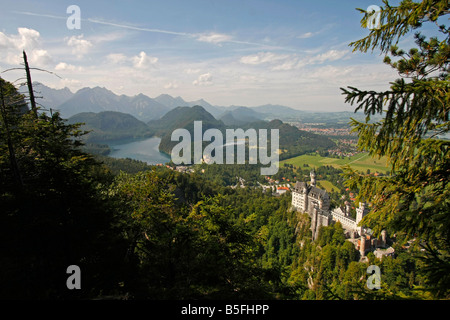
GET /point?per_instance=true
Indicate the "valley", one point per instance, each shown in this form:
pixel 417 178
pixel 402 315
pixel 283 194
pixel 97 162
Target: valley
pixel 121 128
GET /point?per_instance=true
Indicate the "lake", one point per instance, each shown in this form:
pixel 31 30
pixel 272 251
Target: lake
pixel 144 150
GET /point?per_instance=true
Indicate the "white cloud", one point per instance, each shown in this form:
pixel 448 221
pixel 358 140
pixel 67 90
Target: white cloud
pixel 79 45
pixel 331 55
pixel 263 57
pixel 305 35
pixel 143 61
pixel 63 66
pixel 139 61
pixel 287 65
pixel 278 62
pixel 25 39
pixel 331 73
pixel 251 79
pixel 72 83
pixel 215 38
pixel 171 85
pixel 107 37
pixel 40 57
pixel 286 62
pixel 191 71
pixel 116 58
pixel 203 80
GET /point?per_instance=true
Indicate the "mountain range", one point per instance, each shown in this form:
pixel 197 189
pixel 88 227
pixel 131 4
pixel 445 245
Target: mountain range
pixel 144 108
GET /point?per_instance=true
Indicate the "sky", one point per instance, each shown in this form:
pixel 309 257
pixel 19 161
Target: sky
pixel 230 52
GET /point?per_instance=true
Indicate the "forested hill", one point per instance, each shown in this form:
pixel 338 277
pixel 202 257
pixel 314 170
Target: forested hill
pixel 111 125
pixel 294 142
pixel 182 118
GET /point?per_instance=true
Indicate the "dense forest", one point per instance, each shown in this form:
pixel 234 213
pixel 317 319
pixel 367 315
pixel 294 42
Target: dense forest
pixel 110 125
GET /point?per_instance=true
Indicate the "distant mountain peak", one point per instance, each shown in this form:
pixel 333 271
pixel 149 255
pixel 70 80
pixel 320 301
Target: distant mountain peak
pixel 165 95
pixel 276 122
pixel 198 107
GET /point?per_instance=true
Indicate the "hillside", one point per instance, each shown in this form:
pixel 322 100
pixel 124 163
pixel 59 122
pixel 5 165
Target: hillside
pixel 111 125
pixel 271 112
pixel 240 116
pixel 293 141
pixel 182 117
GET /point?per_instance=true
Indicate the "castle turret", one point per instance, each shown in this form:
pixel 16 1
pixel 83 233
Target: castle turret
pixel 347 208
pixel 383 238
pixel 360 213
pixel 312 174
pixel 362 247
pixel 314 221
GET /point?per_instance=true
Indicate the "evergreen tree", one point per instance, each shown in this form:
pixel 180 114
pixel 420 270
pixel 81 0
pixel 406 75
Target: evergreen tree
pixel 55 215
pixel 414 198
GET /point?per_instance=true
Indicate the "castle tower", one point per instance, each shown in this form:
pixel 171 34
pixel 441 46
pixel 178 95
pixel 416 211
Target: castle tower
pixel 347 208
pixel 314 221
pixel 312 174
pixel 383 238
pixel 362 247
pixel 305 198
pixel 360 213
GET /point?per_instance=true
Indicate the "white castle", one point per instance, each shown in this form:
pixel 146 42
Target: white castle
pixel 316 202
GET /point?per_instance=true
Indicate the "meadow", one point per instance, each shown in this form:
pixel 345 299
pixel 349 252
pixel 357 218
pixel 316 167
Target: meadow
pixel 361 162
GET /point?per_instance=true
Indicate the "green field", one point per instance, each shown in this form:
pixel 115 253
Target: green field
pixel 327 185
pixel 360 162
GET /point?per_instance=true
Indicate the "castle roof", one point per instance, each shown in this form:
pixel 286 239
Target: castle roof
pixel 310 190
pixel 299 186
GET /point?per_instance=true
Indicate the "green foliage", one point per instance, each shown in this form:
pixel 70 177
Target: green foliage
pixel 396 22
pixel 179 250
pixel 53 216
pixel 97 149
pixel 182 118
pixel 111 125
pixel 293 141
pixel 126 165
pixel 414 198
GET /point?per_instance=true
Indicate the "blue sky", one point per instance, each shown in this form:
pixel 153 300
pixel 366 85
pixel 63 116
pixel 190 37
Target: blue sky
pixel 228 52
